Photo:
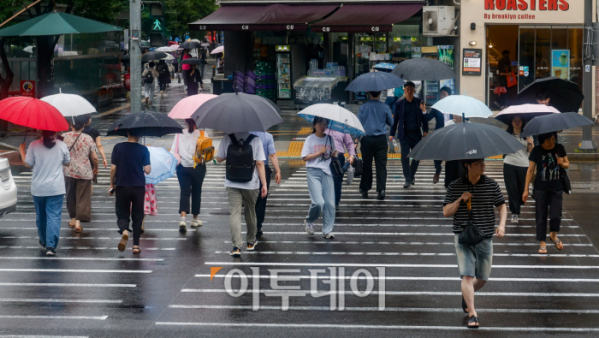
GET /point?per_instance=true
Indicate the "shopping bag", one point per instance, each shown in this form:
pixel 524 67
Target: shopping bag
pixel 350 174
pixel 511 80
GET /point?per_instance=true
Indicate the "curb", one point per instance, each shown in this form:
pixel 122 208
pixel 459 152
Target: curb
pixel 583 157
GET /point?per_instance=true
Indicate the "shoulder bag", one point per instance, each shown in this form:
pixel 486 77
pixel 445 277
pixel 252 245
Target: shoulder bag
pixel 471 235
pixel 176 153
pixel 565 181
pixel 335 165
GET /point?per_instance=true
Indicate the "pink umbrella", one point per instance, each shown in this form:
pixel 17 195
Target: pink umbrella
pixel 219 49
pixel 526 111
pixel 186 107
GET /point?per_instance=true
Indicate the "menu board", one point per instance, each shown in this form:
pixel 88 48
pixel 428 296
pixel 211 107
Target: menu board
pixel 472 62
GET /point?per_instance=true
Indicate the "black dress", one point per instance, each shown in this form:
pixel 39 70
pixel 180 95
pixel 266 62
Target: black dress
pixel 193 81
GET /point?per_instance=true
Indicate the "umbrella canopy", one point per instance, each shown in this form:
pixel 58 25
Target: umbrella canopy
pixel 186 107
pixel 555 122
pixel 464 141
pixel 164 165
pixel 32 113
pixel 385 66
pixel 340 119
pixel 29 49
pixel 526 111
pixel 168 57
pixel 57 24
pixel 171 48
pixel 219 49
pixel 192 61
pixel 153 56
pixel 237 113
pixel 564 95
pixel 190 45
pixel 147 123
pixel 171 43
pixel 70 104
pixel 463 106
pixel 423 69
pixel 374 82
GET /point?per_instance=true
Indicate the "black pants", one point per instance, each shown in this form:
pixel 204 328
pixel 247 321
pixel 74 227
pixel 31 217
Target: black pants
pixel 410 140
pixel 190 182
pixel 548 202
pixel 453 171
pixel 438 167
pixel 338 180
pixel 261 202
pixel 515 179
pixel 374 147
pixel 162 85
pixel 130 204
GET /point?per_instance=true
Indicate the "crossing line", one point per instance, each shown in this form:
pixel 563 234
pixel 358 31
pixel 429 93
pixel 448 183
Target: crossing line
pixel 52 300
pixel 387 265
pixel 438 254
pixel 53 317
pixel 69 285
pixel 75 270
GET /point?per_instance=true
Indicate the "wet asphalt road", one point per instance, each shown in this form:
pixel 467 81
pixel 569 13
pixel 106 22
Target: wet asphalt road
pixel 92 290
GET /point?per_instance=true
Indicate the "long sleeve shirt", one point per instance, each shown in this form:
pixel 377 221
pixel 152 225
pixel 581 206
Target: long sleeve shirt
pixel 342 139
pixel 375 116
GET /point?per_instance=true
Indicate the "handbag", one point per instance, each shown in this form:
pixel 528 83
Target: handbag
pixel 335 165
pixel 176 153
pixel 565 181
pixel 350 175
pixel 511 80
pixel 471 235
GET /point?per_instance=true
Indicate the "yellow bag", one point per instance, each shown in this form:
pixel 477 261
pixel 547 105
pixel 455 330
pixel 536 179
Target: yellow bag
pixel 204 150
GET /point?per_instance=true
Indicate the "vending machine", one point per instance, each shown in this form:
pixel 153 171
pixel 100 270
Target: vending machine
pixel 283 72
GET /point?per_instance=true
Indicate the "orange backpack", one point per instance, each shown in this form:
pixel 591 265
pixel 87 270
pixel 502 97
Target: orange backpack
pixel 204 150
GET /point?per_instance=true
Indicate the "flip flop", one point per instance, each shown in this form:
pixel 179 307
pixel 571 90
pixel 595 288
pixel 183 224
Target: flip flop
pixel 71 225
pixel 123 243
pixel 464 306
pixel 559 245
pixel 473 322
pixel 136 249
pixel 543 250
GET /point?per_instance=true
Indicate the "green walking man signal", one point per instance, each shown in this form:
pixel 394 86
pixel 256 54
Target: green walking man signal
pixel 157 26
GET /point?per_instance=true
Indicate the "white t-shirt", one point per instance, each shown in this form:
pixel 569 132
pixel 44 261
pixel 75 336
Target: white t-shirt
pixel 186 146
pixel 520 158
pixel 312 145
pixel 258 151
pixel 47 177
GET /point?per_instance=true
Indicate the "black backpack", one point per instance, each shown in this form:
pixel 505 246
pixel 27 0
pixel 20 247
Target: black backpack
pixel 240 160
pixel 149 78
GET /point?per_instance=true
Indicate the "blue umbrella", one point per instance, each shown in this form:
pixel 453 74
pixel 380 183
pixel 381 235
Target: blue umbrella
pixel 164 165
pixel 375 82
pixel 340 119
pixel 385 66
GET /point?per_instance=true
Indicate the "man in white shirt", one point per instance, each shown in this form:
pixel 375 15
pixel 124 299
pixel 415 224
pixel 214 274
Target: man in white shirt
pixel 244 194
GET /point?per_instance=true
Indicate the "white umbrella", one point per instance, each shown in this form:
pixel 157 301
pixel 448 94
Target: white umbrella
pixel 28 49
pixel 172 48
pixel 526 112
pixel 463 105
pixel 340 119
pixel 70 104
pixel 219 49
pixel 168 57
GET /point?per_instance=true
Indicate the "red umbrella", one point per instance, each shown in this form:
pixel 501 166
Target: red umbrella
pixel 32 113
pixel 170 43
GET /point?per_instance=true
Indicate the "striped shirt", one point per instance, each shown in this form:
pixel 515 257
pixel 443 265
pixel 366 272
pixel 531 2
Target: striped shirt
pixel 486 195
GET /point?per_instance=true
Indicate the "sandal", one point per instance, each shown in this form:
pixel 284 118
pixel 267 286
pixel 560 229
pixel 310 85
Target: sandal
pixel 78 227
pixel 71 225
pixel 543 250
pixel 559 245
pixel 464 306
pixel 136 249
pixel 473 322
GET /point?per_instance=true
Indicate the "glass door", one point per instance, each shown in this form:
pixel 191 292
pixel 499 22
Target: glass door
pixel 283 76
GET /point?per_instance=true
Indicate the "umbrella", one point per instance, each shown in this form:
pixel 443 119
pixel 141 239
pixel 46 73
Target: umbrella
pixel 190 45
pixel 564 95
pixel 237 113
pixel 555 122
pixel 167 48
pixel 148 123
pixel 526 111
pixel 219 49
pixel 464 141
pixel 186 107
pixel 70 104
pixel 462 105
pixel 152 56
pixel 192 61
pixel 385 66
pixel 340 119
pixel 57 24
pixel 424 69
pixel 171 43
pixel 29 49
pixel 375 82
pixel 164 165
pixel 168 57
pixel 32 113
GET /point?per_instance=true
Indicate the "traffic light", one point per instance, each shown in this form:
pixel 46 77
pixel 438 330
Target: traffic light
pixel 157 38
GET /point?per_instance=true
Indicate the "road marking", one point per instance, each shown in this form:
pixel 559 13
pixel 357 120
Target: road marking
pixel 403 234
pixel 397 243
pixel 103 238
pixel 45 300
pixel 37 336
pixel 76 270
pixel 80 285
pixel 372 265
pixel 354 253
pixel 52 317
pixel 83 259
pixel 37 247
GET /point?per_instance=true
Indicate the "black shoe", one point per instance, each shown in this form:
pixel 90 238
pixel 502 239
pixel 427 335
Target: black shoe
pixel 259 234
pixel 336 207
pixel 235 252
pixel 407 185
pixel 381 195
pixel 42 244
pixel 364 193
pixel 413 181
pixel 50 252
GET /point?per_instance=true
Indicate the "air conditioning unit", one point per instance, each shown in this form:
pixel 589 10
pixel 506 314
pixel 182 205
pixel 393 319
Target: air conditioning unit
pixel 438 20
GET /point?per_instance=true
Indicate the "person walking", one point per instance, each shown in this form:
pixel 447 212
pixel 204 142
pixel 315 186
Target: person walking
pixel 550 161
pixel 374 116
pixel 439 123
pixel 409 125
pixel 194 78
pixel 504 69
pixel 317 152
pixel 185 68
pixel 95 135
pixel 515 167
pixel 163 75
pixel 149 75
pixel 270 153
pixel 203 60
pixel 342 141
pixel 472 199
pixel 129 161
pixel 47 156
pixel 190 174
pixel 243 194
pixel 175 64
pixel 79 175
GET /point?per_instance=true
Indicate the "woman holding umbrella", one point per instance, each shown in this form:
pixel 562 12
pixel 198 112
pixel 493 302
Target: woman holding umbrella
pixel 515 167
pixel 194 80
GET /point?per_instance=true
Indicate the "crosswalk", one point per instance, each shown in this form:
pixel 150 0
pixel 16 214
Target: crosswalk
pixel 391 266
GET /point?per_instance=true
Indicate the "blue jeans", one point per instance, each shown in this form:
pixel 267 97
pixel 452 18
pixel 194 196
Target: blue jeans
pixel 475 261
pixel 322 195
pixel 339 180
pixel 48 210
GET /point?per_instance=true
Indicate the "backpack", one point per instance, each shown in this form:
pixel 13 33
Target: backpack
pixel 149 77
pixel 240 160
pixel 204 150
pixel 163 70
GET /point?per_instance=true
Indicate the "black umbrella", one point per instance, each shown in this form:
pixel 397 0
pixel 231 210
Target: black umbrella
pixel 193 61
pixel 147 123
pixel 463 141
pixel 555 122
pixel 564 95
pixel 149 56
pixel 190 45
pixel 424 70
pixel 375 82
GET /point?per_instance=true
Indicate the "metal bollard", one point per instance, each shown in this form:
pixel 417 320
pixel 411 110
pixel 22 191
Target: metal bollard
pixel 213 71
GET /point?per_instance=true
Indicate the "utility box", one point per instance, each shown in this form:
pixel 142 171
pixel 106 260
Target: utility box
pixel 438 20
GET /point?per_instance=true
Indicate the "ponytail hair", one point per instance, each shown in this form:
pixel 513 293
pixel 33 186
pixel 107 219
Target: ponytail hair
pixel 191 124
pixel 48 138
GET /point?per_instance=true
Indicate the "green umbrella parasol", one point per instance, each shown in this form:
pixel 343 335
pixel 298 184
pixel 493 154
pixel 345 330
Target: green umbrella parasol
pixel 57 24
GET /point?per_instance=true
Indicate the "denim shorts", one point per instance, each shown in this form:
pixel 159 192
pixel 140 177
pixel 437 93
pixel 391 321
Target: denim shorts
pixel 475 261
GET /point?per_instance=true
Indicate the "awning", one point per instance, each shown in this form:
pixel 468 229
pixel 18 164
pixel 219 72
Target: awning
pixel 262 17
pixel 367 18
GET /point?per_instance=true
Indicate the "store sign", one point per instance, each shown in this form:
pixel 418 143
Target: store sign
pixel 559 11
pixel 523 5
pixel 560 63
pixel 28 88
pixel 472 61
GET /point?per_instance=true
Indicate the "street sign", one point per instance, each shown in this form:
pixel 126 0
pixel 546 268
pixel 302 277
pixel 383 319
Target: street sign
pixel 28 88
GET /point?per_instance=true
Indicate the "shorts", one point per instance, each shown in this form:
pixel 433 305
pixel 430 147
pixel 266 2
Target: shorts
pixel 475 261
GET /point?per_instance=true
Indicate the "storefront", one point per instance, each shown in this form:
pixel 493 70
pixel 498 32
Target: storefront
pixel 531 39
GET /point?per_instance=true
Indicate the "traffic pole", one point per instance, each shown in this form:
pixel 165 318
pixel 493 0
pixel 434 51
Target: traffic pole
pixel 587 144
pixel 135 54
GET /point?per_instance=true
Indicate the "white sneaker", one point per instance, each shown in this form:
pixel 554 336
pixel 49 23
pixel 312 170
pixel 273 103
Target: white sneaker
pixel 328 236
pixel 195 223
pixel 515 219
pixel 309 227
pixel 182 224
